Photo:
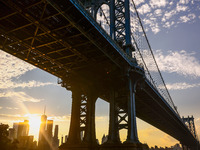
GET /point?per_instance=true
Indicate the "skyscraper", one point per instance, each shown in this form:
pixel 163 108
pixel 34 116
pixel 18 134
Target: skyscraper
pixel 23 128
pixel 42 133
pixel 55 138
pixel 49 128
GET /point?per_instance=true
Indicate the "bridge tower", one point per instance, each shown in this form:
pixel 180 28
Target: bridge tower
pixel 121 97
pixel 189 122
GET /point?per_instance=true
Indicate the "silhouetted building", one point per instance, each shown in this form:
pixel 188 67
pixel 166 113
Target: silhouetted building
pixel 175 147
pixel 11 135
pixel 23 129
pixel 26 142
pixel 62 140
pixel 42 141
pixel 104 139
pixel 66 137
pixel 42 128
pixel 55 141
pixel 49 128
pixel 15 126
pixel 46 140
pixel 49 133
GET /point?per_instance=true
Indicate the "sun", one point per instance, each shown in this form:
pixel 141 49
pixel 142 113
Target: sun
pixel 34 124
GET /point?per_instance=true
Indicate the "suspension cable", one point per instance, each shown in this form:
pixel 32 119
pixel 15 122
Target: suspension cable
pixel 153 56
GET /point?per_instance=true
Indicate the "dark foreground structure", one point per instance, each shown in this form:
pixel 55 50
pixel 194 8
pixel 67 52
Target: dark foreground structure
pixel 63 38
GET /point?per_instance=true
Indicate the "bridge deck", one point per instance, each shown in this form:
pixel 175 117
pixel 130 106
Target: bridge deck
pixel 62 39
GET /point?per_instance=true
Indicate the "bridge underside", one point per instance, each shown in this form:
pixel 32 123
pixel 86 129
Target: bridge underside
pixel 151 108
pixel 69 44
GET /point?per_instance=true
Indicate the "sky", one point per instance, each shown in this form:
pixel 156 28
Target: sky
pixel 173 30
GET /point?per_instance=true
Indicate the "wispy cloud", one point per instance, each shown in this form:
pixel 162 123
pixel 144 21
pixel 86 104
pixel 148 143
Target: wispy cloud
pixel 60 118
pixel 139 2
pixel 184 1
pixel 13 68
pixel 179 62
pixel 144 9
pixel 12 116
pixel 156 137
pixel 19 97
pixel 158 12
pixel 20 117
pixel 181 86
pixel 11 85
pixel 11 108
pixel 158 3
pixel 187 18
pixel 167 13
pixel 168 139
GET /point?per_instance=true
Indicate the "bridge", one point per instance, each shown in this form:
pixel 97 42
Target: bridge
pixel 111 60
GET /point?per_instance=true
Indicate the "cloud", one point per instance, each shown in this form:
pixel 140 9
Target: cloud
pixel 11 85
pixel 180 8
pixel 158 3
pixel 181 86
pixel 179 62
pixel 144 9
pixel 11 108
pixel 1 107
pixel 139 2
pixel 152 22
pixel 187 18
pixel 158 12
pixel 148 132
pixel 19 117
pixel 184 1
pixel 155 29
pixel 19 97
pixel 167 139
pixel 60 118
pixel 11 117
pixel 167 13
pixel 168 24
pixel 13 68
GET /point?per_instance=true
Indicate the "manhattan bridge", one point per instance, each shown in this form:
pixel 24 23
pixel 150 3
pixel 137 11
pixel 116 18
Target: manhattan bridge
pixel 97 49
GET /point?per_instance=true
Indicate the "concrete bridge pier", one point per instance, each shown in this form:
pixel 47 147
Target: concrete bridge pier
pixel 82 120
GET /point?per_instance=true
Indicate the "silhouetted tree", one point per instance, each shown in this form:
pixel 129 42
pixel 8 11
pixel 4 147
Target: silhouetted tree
pixel 4 141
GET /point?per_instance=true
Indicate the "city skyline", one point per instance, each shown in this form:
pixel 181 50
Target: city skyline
pixel 173 31
pixel 47 136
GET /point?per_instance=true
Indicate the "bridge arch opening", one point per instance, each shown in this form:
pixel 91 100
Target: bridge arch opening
pixel 102 120
pixel 103 17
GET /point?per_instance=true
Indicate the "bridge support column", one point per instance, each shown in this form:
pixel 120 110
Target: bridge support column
pixel 74 131
pixel 132 136
pixel 113 136
pixel 82 119
pixel 90 133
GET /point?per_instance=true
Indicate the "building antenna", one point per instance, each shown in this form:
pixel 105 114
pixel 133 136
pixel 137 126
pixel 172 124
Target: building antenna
pixel 44 109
